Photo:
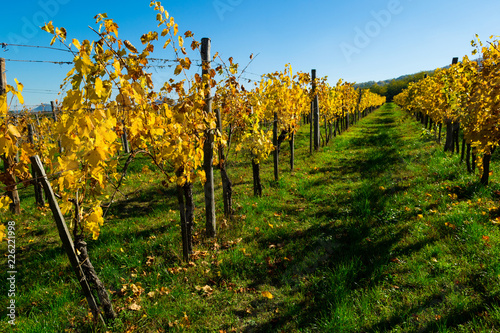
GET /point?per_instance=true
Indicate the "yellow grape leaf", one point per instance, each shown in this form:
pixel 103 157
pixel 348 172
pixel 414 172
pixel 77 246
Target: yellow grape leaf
pixel 12 130
pixel 178 70
pixel 67 180
pixel 98 176
pixel 96 216
pixel 19 96
pixel 49 27
pixel 202 175
pixel 111 27
pixel 3 104
pixel 267 294
pixel 95 156
pixel 2 232
pixel 4 203
pixel 69 163
pixel 98 87
pixel 94 221
pixel 76 43
pixel 129 46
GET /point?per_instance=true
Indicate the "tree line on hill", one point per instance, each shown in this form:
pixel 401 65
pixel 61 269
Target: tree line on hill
pixel 392 87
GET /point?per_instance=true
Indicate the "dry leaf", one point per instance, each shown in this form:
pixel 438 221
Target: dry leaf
pixel 267 294
pixel 134 307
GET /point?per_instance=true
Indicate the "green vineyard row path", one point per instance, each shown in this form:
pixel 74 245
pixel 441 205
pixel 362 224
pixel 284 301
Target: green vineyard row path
pixel 379 231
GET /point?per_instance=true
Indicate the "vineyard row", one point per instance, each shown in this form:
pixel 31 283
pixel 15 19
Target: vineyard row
pixel 184 127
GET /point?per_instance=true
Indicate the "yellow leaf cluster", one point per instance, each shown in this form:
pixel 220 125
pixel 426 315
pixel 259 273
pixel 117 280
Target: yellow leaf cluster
pixel 466 93
pixel 94 221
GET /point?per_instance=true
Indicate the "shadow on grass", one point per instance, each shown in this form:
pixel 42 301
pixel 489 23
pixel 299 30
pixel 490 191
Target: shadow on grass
pixel 333 261
pixel 350 250
pixel 145 203
pixel 347 252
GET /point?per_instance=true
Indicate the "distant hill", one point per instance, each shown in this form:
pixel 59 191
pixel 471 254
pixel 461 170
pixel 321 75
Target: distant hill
pixel 392 87
pixel 42 107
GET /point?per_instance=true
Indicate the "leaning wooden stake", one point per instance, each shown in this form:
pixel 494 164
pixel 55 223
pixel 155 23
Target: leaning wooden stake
pixel 66 238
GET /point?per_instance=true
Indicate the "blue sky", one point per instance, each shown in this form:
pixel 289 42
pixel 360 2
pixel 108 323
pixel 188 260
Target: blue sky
pixel 355 40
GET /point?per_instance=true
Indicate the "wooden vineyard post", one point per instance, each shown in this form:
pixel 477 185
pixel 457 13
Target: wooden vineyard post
pixel 3 77
pixel 126 147
pixel 292 150
pixel 53 108
pixel 440 130
pixel 327 138
pixel 463 150
pixel 227 186
pixel 315 112
pixel 257 185
pixel 347 120
pixel 276 148
pixel 311 129
pixel 486 167
pixel 15 205
pixel 66 238
pixel 451 127
pixel 357 111
pixel 186 207
pixel 208 147
pixel 468 157
pixel 36 182
pixel 54 115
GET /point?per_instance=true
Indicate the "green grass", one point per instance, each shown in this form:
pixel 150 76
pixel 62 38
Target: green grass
pixel 378 232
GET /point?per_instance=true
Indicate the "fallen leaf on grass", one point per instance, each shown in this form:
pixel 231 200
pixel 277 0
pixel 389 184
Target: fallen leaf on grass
pixel 163 291
pixel 207 290
pixel 134 307
pixel 150 260
pixel 267 294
